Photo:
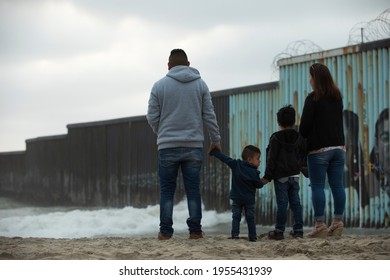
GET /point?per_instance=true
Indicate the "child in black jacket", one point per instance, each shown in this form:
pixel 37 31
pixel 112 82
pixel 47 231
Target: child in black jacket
pixel 285 150
pixel 245 181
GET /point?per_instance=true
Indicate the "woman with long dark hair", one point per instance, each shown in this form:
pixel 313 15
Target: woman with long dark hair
pixel 322 126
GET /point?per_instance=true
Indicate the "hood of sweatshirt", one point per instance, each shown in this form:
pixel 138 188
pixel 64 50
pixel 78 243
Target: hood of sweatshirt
pixel 183 74
pixel 289 138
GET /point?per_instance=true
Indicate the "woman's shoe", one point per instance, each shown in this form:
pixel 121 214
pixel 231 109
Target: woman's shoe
pixel 319 231
pixel 336 229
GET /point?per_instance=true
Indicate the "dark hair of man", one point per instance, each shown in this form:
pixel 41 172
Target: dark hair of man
pixel 324 85
pixel 286 116
pixel 178 57
pixel 249 151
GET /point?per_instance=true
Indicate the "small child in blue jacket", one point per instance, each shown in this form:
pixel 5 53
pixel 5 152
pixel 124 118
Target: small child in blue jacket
pixel 245 181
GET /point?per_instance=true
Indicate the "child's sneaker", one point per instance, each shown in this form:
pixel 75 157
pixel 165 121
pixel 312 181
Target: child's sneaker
pixel 275 235
pixel 252 239
pixel 296 233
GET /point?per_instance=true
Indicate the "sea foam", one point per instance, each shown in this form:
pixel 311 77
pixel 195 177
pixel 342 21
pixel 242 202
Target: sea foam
pixel 17 220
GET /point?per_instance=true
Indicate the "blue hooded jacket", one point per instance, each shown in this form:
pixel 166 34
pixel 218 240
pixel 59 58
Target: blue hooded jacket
pixel 245 178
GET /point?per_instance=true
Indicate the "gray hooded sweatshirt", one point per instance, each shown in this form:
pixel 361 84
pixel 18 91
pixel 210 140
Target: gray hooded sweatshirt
pixel 179 105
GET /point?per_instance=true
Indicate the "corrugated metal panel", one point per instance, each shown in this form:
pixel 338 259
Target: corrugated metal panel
pixel 114 163
pixel 252 121
pixel 12 173
pixel 88 165
pixel 363 78
pixel 143 187
pixel 215 181
pixel 47 173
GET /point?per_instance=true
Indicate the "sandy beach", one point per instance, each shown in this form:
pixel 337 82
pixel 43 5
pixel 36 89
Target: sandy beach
pixel 353 245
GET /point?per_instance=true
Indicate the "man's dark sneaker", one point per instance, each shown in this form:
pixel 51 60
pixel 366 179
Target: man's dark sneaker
pixel 196 235
pixel 275 235
pixel 252 239
pixel 163 237
pixel 296 233
pixel 235 237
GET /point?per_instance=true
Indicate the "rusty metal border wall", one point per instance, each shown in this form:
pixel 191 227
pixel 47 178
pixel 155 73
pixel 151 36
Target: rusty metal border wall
pixel 113 163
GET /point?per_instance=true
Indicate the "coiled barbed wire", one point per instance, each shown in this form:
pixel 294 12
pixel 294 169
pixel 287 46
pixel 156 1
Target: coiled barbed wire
pixel 374 30
pixel 296 48
pixel 363 32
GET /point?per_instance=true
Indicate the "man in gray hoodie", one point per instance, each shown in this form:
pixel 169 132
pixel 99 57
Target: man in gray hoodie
pixel 179 106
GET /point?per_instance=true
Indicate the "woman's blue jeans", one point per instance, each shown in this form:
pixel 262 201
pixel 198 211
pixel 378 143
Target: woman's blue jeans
pixel 249 209
pixel 287 193
pixel 190 161
pixel 329 163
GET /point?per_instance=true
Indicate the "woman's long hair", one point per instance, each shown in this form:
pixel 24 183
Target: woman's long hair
pixel 324 85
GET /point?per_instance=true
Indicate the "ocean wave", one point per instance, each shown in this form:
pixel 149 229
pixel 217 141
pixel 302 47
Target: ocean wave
pixel 63 222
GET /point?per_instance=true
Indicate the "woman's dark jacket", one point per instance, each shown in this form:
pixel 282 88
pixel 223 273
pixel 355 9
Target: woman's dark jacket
pixel 322 122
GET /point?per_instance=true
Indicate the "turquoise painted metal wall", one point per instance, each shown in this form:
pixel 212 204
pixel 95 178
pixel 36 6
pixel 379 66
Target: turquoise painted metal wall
pixel 252 121
pixel 362 74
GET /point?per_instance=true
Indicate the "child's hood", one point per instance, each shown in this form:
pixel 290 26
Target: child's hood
pixel 289 138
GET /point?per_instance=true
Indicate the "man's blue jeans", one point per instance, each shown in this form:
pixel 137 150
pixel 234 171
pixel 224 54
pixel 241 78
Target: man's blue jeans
pixel 287 193
pixel 237 209
pixel 329 163
pixel 190 161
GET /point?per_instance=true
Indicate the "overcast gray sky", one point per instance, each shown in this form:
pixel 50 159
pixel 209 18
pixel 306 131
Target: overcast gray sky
pixel 65 62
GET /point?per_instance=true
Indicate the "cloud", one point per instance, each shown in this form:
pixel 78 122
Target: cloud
pixel 51 30
pixel 74 61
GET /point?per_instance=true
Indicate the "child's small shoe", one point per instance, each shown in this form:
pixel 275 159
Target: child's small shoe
pixel 319 231
pixel 275 235
pixel 336 229
pixel 296 233
pixel 252 239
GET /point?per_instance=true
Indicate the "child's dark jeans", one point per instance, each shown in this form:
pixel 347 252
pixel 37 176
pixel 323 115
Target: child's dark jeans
pixel 237 209
pixel 287 192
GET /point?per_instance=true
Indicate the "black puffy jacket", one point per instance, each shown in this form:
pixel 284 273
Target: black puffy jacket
pixel 285 152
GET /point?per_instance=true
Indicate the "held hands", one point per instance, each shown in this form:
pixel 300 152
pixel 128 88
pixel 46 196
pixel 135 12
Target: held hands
pixel 264 181
pixel 214 147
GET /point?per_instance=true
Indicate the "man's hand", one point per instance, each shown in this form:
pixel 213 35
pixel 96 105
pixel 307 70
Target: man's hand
pixel 214 147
